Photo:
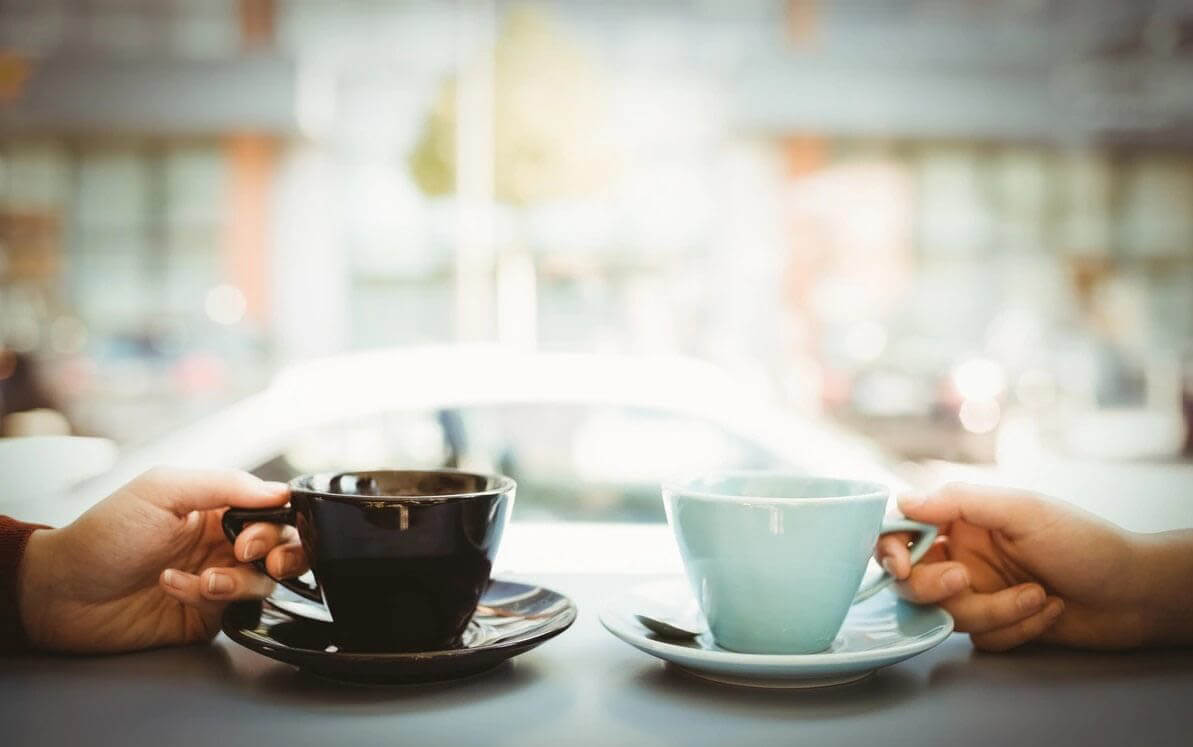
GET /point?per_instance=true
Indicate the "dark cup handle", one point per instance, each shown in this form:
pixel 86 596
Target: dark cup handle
pixel 236 519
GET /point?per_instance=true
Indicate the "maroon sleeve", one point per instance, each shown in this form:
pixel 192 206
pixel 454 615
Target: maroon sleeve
pixel 13 536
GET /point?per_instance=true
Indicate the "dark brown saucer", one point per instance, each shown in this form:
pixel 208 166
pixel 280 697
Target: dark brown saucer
pixel 511 618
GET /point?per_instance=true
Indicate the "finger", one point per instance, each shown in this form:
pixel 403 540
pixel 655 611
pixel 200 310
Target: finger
pixel 982 613
pixel 932 582
pixel 184 490
pixel 184 587
pixel 227 584
pixel 1028 629
pixel 893 554
pixel 287 561
pixel 1010 511
pixel 258 539
pixel 937 553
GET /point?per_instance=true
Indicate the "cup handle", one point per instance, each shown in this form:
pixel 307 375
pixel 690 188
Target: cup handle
pixel 236 519
pixel 927 536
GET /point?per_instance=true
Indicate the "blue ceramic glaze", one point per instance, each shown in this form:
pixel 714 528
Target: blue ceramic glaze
pixel 879 632
pixel 775 560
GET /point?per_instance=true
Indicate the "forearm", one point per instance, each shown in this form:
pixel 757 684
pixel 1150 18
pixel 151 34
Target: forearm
pixel 1164 576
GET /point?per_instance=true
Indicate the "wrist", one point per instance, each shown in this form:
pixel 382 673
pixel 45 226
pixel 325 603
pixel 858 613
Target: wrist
pixel 35 584
pixel 1163 579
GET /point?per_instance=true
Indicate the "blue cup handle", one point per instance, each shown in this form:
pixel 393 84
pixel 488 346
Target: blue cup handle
pixel 927 534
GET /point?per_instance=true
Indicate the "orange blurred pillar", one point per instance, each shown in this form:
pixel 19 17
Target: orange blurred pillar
pixel 250 160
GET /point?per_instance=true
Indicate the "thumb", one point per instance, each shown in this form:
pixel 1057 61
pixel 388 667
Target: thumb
pixel 183 490
pixel 1012 512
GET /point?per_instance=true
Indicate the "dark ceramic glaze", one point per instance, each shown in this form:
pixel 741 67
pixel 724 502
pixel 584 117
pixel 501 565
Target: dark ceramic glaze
pixel 511 618
pixel 400 557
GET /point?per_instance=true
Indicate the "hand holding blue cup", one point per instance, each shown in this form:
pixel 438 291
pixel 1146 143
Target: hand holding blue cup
pixel 775 559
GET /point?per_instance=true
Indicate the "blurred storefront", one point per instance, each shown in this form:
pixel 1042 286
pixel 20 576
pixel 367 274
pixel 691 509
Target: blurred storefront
pixel 965 229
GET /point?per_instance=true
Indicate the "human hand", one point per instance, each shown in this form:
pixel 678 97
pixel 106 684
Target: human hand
pixel 1013 567
pixel 150 566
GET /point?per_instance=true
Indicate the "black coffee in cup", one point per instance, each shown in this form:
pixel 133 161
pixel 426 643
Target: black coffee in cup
pixel 400 557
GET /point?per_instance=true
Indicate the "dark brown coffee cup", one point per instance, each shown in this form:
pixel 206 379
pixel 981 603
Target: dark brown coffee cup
pixel 400 557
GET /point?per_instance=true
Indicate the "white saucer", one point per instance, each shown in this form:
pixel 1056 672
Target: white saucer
pixel 878 632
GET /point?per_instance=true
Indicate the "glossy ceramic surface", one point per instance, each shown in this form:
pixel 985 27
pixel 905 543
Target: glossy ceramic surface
pixel 401 556
pixel 775 560
pixel 512 618
pixel 878 632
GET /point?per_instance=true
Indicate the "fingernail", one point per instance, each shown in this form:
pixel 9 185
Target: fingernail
pixel 219 583
pixel 253 550
pixel 888 565
pixel 1030 599
pixel 172 578
pixel 272 486
pixel 1054 608
pixel 290 563
pixel 954 580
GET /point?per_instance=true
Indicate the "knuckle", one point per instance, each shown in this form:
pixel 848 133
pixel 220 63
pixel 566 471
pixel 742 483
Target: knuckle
pixel 963 619
pixel 1009 635
pixel 1018 634
pixel 1002 614
pixel 159 474
pixel 1031 627
pixel 235 478
pixel 1026 498
pixel 245 479
pixel 1037 503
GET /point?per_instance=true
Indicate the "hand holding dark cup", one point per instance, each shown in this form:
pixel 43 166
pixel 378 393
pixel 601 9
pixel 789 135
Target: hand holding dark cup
pixel 150 565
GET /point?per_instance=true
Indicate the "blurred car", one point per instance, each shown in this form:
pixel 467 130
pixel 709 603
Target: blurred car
pixel 587 436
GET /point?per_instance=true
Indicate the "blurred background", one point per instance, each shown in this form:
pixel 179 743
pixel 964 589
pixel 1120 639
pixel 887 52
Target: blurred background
pixel 955 237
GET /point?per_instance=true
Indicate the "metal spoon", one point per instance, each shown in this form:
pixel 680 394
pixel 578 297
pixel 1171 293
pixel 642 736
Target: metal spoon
pixel 664 628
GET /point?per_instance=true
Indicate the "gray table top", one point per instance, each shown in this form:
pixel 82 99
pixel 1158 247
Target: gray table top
pixel 585 687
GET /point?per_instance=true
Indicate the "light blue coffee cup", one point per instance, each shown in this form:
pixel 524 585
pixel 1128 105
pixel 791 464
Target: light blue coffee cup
pixel 776 559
